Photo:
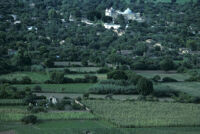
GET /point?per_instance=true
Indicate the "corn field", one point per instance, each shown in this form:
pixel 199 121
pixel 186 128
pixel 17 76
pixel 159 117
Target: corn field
pixel 146 114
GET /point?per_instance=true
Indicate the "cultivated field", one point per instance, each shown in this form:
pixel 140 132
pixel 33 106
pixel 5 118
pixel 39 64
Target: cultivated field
pixel 99 76
pixel 146 114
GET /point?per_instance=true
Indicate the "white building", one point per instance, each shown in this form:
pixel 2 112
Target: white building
pixel 53 100
pixel 86 21
pixel 128 14
pixel 111 25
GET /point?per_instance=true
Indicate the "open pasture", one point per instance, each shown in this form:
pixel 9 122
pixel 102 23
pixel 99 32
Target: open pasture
pixel 146 114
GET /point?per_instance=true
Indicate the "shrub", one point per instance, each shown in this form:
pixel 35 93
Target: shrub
pixel 90 79
pixel 134 78
pixel 168 79
pixel 29 119
pixel 156 78
pixel 38 109
pixel 25 80
pixel 57 77
pixel 86 95
pixel 77 106
pixel 117 75
pixel 103 70
pixel 114 89
pixel 37 89
pixel 144 86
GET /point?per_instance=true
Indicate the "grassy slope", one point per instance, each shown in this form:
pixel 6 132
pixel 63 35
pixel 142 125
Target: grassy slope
pixel 143 114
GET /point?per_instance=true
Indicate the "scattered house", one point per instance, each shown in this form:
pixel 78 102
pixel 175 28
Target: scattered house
pixel 53 100
pixel 62 42
pixel 32 5
pixel 128 14
pixel 158 45
pixel 149 41
pixel 17 22
pixel 11 52
pixel 14 16
pixel 119 32
pixel 125 52
pixel 63 20
pixel 86 21
pixel 184 51
pixel 31 28
pixel 71 18
pixel 111 25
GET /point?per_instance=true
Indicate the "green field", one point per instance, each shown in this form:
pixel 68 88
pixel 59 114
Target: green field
pixel 192 88
pixel 67 88
pixel 177 76
pixel 80 127
pixel 35 77
pixel 15 113
pixel 146 114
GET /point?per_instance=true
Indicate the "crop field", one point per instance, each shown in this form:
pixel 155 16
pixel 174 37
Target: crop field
pixel 35 77
pixel 192 88
pixel 67 88
pixel 146 114
pixel 15 113
pixel 177 76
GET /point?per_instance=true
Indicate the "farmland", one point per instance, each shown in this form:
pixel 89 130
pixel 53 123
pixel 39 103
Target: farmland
pixel 146 114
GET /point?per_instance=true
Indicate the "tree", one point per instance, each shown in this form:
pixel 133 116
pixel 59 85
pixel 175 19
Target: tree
pixel 49 62
pixel 29 119
pixel 117 75
pixel 57 77
pixel 167 64
pixel 192 44
pixel 144 86
pixel 173 1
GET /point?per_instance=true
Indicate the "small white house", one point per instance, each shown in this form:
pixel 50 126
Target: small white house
pixel 111 25
pixel 53 100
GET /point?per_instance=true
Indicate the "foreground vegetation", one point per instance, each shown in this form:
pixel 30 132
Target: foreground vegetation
pixel 18 112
